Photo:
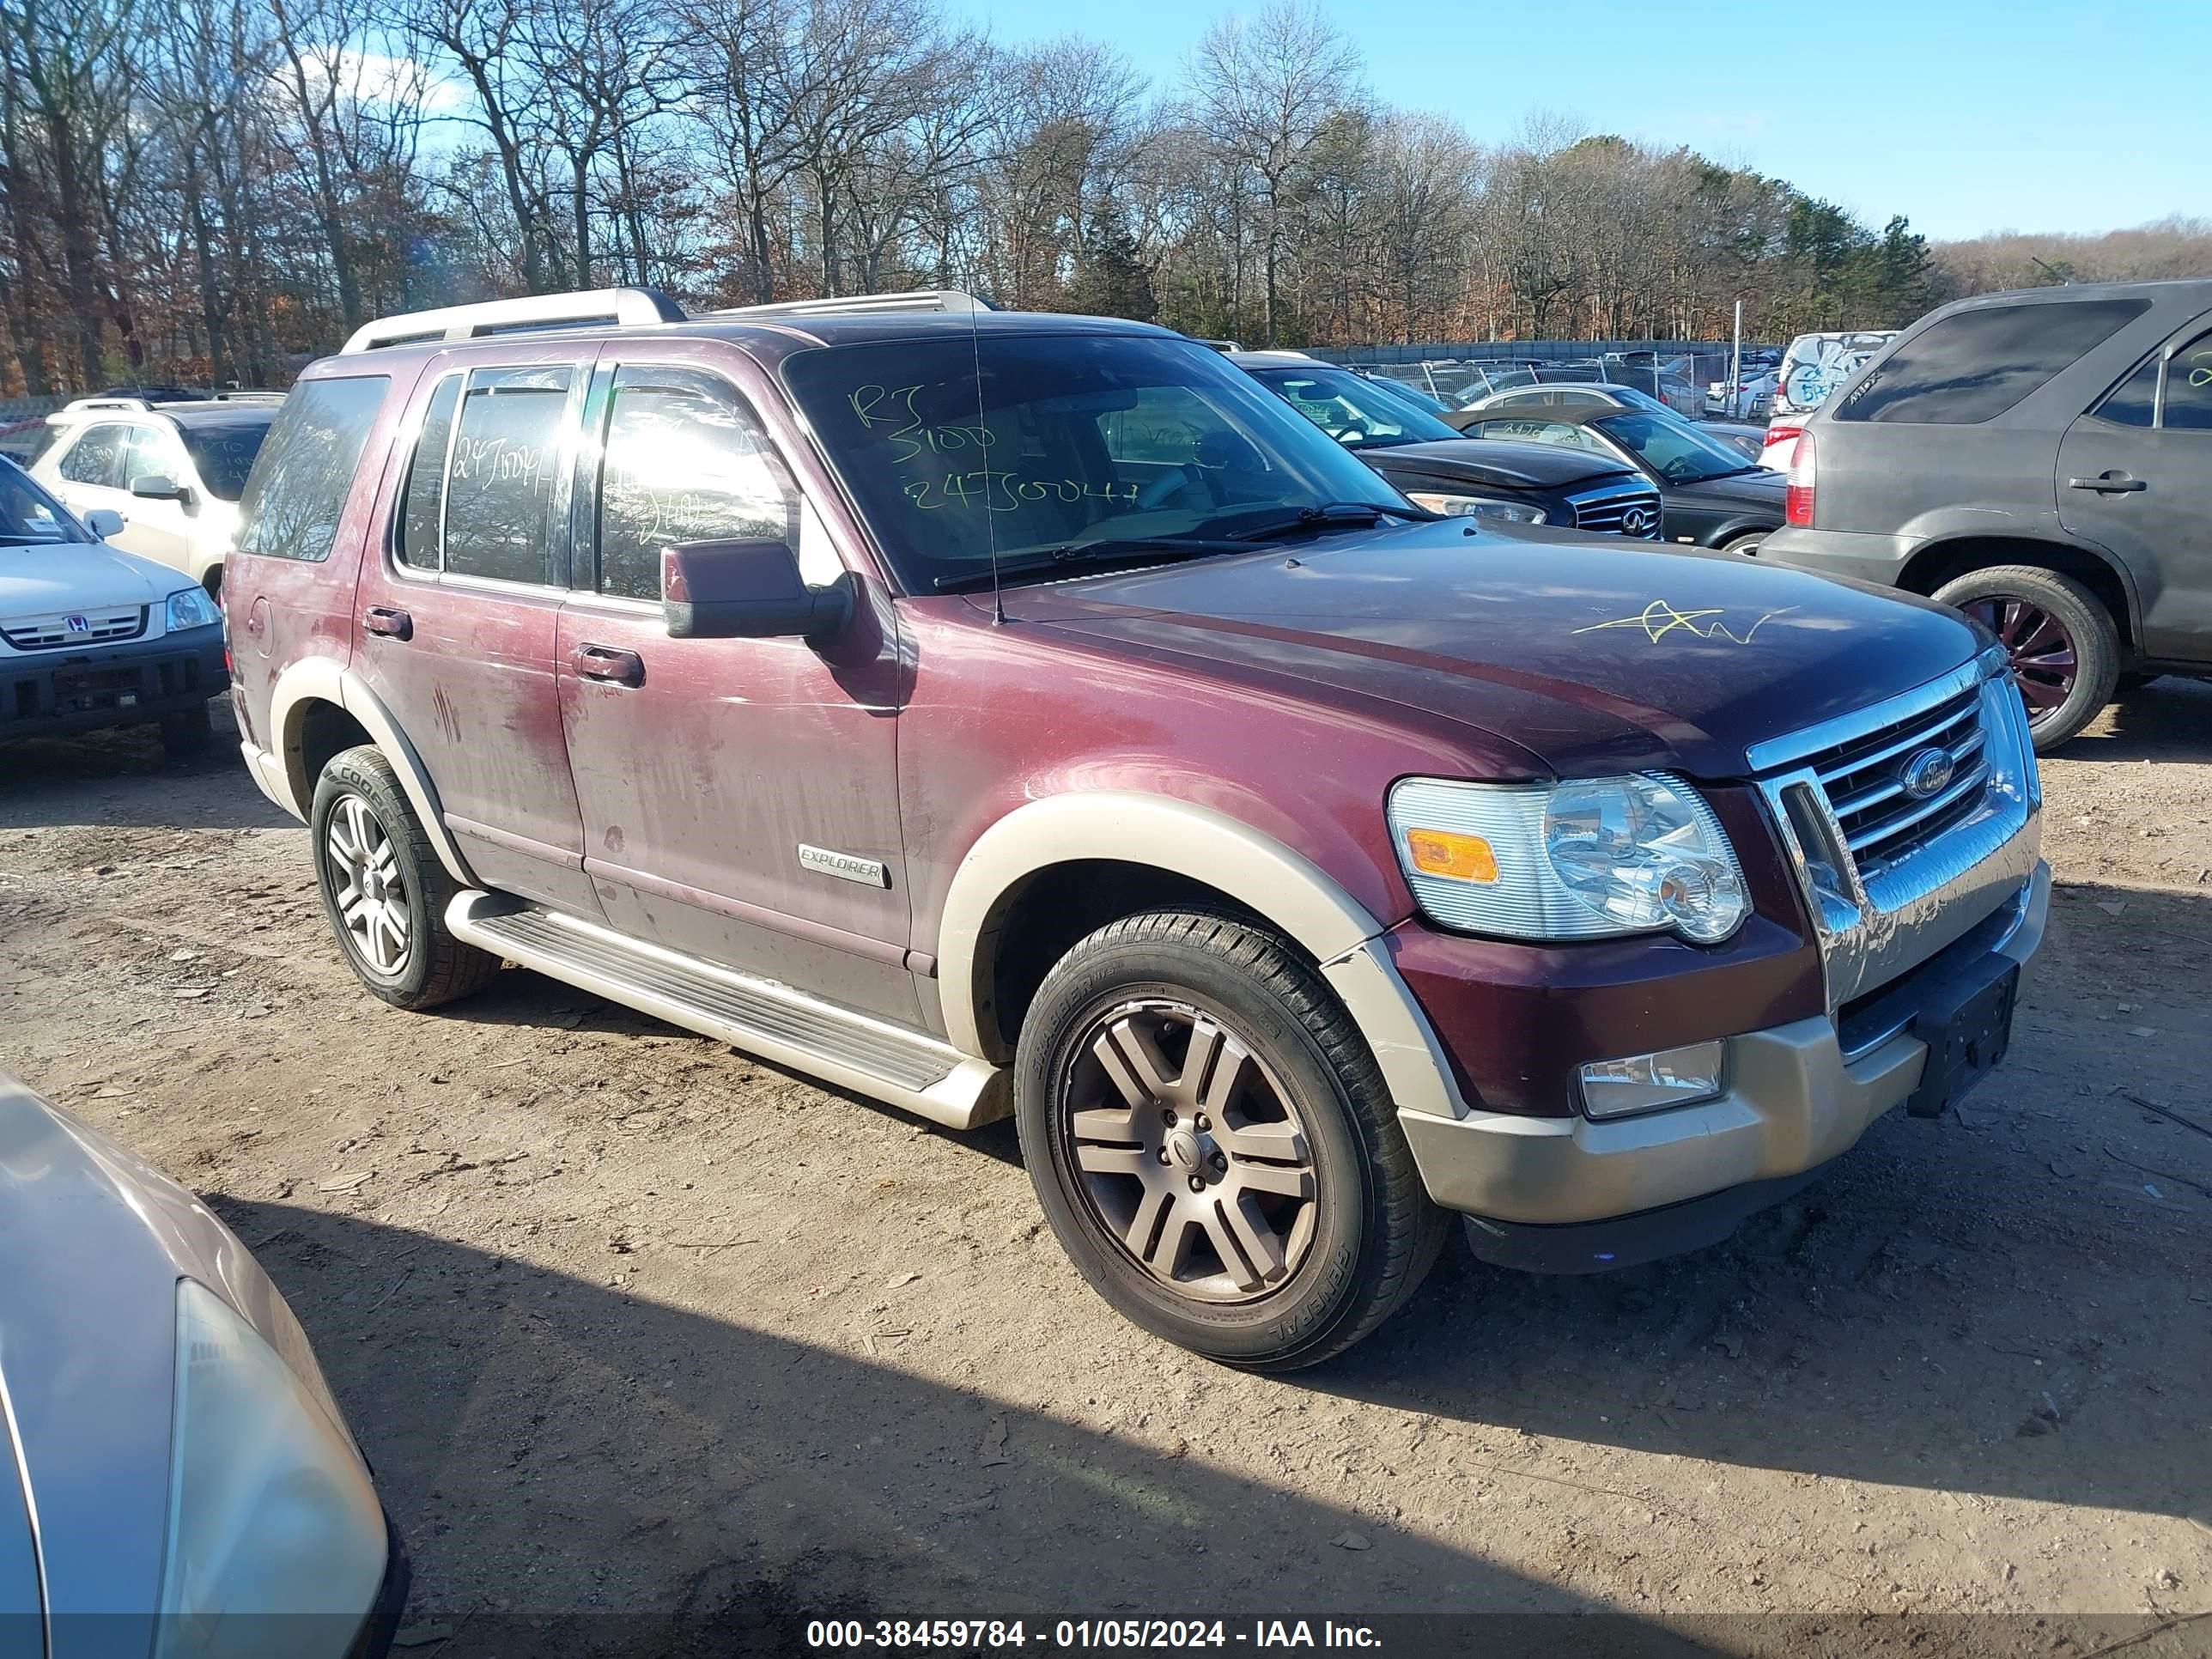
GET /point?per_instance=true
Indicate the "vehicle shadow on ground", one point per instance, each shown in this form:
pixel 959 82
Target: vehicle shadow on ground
pixel 2170 719
pixel 104 777
pixel 548 1446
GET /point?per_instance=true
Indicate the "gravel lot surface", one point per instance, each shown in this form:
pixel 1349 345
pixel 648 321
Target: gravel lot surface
pixel 633 1325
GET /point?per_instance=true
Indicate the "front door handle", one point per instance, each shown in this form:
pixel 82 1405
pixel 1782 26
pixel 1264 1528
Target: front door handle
pixel 383 619
pixel 608 665
pixel 2108 484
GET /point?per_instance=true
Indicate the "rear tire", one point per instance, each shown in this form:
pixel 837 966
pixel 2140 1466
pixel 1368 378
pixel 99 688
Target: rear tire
pixel 1745 543
pixel 1261 1207
pixel 2063 644
pixel 384 890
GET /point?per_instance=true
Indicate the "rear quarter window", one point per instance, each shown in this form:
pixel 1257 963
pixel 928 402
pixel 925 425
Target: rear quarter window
pixel 1974 365
pixel 299 481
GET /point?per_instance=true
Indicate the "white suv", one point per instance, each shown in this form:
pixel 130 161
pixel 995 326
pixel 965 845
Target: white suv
pixel 91 636
pixel 172 471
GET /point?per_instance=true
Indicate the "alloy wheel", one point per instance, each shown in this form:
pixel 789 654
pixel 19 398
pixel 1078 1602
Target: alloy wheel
pixel 2040 649
pixel 366 880
pixel 1188 1150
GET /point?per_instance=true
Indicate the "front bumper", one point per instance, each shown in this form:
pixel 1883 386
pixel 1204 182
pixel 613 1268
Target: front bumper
pixel 1574 1194
pixel 44 693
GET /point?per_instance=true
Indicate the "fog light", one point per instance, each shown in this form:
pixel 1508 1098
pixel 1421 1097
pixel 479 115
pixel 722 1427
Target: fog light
pixel 1647 1083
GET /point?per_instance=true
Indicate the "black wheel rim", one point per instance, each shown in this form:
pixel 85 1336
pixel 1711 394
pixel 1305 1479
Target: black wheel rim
pixel 2040 649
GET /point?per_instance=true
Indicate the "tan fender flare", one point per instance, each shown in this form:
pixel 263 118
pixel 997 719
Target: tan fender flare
pixel 320 680
pixel 1259 872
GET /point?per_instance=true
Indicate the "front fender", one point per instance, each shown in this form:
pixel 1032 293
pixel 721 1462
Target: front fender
pixel 1273 880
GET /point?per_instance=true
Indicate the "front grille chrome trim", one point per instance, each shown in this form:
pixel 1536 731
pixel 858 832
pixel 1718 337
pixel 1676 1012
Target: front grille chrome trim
pixel 1889 894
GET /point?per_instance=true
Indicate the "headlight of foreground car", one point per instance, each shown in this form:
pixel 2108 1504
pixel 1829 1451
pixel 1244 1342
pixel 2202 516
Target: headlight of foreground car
pixel 1588 857
pixel 1476 507
pixel 190 607
pixel 270 1510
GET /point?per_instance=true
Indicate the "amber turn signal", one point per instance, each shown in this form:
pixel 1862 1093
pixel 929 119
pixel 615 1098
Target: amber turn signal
pixel 1442 853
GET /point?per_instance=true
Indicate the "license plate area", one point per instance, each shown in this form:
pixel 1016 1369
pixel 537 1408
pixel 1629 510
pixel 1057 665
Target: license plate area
pixel 81 690
pixel 1967 1022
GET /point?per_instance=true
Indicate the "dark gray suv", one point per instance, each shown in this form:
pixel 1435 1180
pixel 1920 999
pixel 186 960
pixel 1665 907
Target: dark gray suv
pixel 2043 460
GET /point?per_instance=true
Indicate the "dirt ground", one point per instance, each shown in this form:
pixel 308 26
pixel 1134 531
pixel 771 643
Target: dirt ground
pixel 633 1325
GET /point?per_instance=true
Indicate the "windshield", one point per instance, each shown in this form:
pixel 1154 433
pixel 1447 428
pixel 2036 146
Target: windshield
pixel 224 454
pixel 1356 411
pixel 29 516
pixel 1076 438
pixel 1670 446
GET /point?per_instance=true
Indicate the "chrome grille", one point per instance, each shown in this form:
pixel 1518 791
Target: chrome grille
pixel 1880 819
pixel 99 627
pixel 1605 511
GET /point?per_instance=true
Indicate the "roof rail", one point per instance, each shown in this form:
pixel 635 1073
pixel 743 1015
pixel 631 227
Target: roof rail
pixel 86 406
pixel 624 308
pixel 921 299
pixel 249 397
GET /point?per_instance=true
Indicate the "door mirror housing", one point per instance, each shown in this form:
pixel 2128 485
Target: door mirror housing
pixel 104 522
pixel 747 589
pixel 159 487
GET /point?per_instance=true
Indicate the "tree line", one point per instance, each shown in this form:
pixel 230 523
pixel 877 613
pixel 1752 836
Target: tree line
pixel 217 190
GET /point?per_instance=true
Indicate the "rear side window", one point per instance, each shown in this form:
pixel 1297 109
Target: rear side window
pixel 97 457
pixel 1974 365
pixel 499 480
pixel 298 487
pixel 686 461
pixel 2134 402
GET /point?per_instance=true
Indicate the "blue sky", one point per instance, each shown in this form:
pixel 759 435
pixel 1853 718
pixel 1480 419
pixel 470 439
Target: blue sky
pixel 1964 115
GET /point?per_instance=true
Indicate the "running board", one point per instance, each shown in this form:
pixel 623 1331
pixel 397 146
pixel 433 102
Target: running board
pixel 873 1057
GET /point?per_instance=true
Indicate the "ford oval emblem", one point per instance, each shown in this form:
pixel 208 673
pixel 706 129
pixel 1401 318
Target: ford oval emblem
pixel 1927 772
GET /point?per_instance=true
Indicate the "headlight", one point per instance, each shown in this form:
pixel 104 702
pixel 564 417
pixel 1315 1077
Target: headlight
pixel 1585 859
pixel 270 1510
pixel 190 607
pixel 1476 507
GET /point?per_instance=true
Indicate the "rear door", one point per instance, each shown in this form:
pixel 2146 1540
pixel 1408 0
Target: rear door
pixel 2135 476
pixel 459 603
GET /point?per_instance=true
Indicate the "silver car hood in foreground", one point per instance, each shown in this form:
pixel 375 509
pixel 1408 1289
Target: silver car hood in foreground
pixel 93 1242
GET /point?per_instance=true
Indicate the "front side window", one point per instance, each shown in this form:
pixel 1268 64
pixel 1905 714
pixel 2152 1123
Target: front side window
pixel 685 460
pixel 501 472
pixel 422 512
pixel 2189 387
pixel 298 487
pixel 97 457
pixel 947 472
pixel 154 452
pixel 1974 365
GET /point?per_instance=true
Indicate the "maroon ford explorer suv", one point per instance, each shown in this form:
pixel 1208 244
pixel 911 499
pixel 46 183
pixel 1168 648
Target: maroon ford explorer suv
pixel 996 714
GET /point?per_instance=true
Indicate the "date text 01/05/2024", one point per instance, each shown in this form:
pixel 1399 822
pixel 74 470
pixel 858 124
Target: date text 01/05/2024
pixel 1086 1635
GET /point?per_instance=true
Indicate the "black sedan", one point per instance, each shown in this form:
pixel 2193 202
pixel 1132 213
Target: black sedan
pixel 1711 496
pixel 1389 429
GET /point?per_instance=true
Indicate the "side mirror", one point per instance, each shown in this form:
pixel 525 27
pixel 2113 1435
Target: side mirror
pixel 158 487
pixel 104 522
pixel 748 590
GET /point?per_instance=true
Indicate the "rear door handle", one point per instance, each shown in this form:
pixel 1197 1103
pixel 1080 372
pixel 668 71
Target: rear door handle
pixel 2108 484
pixel 383 619
pixel 610 666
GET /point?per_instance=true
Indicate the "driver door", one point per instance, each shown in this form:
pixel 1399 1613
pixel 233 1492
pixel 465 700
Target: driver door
pixel 740 796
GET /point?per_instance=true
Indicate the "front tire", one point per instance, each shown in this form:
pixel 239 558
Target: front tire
pixel 384 890
pixel 1213 1145
pixel 2063 645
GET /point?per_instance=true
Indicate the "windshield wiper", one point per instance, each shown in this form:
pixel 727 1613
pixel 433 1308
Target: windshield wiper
pixel 1331 515
pixel 1152 550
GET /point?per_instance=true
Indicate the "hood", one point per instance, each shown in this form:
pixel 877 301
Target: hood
pixel 1491 461
pixel 79 575
pixel 1759 491
pixel 1557 654
pixel 92 1243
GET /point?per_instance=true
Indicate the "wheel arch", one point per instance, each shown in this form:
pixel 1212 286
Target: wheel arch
pixel 319 706
pixel 1946 560
pixel 1170 853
